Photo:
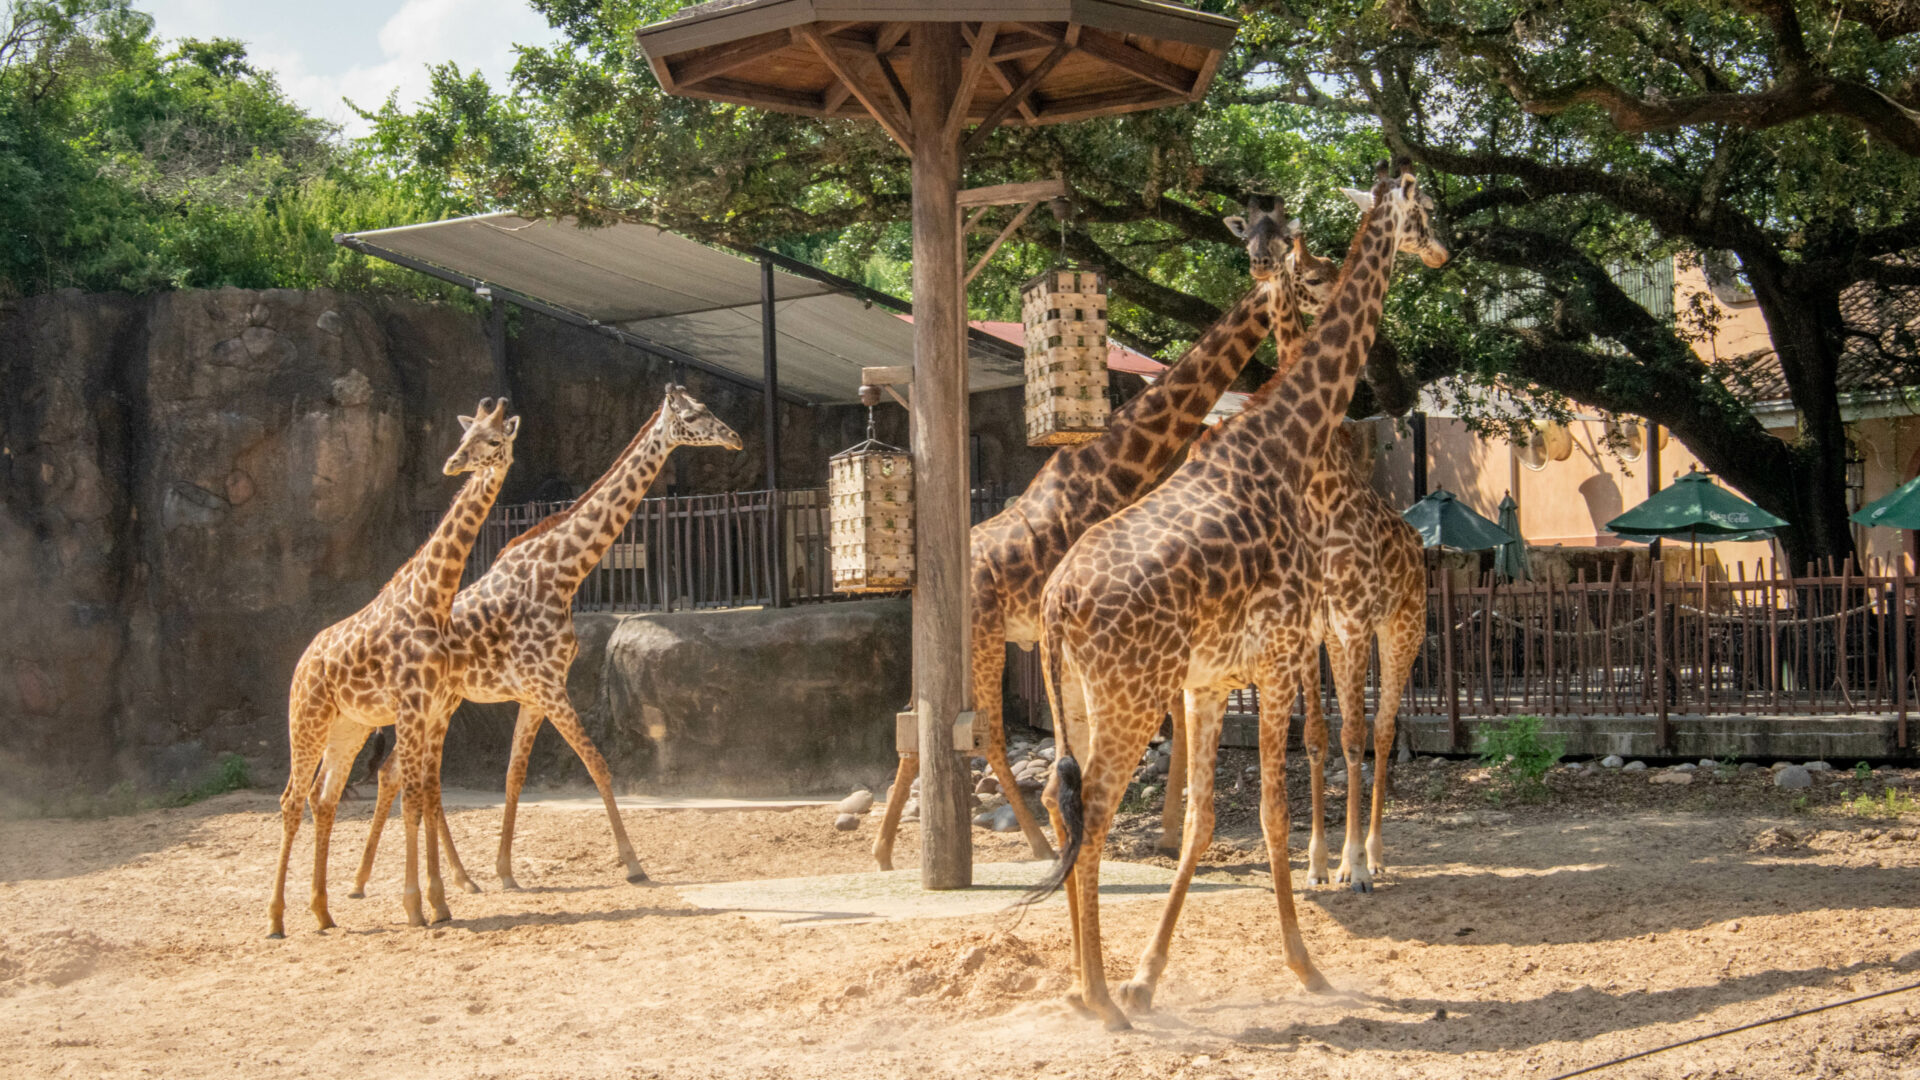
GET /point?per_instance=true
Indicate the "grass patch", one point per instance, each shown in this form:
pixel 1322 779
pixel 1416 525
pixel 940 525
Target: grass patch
pixel 1518 756
pixel 227 773
pixel 1893 804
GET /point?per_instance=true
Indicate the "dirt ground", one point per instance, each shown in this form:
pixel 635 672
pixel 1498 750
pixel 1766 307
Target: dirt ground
pixel 1508 938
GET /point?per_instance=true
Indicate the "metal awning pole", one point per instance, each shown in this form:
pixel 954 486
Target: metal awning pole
pixel 770 399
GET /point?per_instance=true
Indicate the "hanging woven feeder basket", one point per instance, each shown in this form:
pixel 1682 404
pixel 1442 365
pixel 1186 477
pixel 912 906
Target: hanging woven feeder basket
pixel 870 521
pixel 1064 312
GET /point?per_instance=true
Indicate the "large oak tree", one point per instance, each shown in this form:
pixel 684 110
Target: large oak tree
pixel 1563 140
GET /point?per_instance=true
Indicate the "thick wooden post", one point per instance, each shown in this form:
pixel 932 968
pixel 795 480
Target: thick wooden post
pixel 770 404
pixel 1455 737
pixel 940 618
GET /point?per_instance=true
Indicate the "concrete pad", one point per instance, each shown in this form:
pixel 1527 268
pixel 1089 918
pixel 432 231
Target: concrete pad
pixel 475 799
pixel 837 899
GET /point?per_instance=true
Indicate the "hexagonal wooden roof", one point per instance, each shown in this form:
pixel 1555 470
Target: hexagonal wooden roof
pixel 1044 61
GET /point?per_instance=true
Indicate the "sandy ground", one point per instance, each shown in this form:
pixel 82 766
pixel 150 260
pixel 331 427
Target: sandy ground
pixel 1522 940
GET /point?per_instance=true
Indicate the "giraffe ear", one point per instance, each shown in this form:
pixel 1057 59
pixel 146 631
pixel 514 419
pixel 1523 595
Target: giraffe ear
pixel 1363 199
pixel 466 423
pixel 1236 225
pixel 512 427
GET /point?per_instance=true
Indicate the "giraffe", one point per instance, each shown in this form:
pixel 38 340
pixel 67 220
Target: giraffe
pixel 512 630
pixel 389 663
pixel 1373 586
pixel 1207 584
pixel 1013 551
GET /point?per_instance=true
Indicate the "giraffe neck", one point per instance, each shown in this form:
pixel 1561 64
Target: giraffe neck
pixel 432 577
pixel 1148 432
pixel 575 539
pixel 1293 416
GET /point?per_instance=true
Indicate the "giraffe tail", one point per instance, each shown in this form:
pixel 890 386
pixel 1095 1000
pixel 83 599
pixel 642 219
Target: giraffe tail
pixel 1066 779
pixel 382 745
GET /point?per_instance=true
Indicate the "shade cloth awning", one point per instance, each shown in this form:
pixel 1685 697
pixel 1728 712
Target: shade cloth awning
pixel 661 289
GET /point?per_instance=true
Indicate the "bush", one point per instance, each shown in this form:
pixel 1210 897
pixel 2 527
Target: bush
pixel 1518 755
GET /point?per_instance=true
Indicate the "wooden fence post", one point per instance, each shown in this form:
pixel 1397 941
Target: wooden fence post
pixel 1900 647
pixel 1662 730
pixel 1446 657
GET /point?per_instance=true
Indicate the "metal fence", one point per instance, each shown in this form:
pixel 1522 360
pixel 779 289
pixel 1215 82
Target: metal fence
pixel 693 552
pixel 1836 642
pixel 1833 642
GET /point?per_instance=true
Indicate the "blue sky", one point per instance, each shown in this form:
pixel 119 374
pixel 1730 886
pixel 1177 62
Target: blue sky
pixel 323 50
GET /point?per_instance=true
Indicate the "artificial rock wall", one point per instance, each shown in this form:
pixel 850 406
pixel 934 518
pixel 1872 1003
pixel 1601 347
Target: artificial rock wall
pixel 193 483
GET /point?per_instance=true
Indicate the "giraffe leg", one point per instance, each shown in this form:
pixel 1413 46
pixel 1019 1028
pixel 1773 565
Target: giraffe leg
pixel 989 666
pixel 560 713
pixel 389 786
pixel 1170 811
pixel 436 818
pixel 896 805
pixel 1275 819
pixel 408 747
pixel 1400 639
pixel 343 746
pixel 1348 657
pixel 460 876
pixel 1104 782
pixel 1203 712
pixel 1050 797
pixel 524 729
pixel 310 717
pixel 1315 737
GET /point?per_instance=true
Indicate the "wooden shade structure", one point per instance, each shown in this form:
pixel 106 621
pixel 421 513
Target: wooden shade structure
pixel 927 73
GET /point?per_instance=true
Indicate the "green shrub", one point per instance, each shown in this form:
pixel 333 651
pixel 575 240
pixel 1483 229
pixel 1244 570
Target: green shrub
pixel 1517 754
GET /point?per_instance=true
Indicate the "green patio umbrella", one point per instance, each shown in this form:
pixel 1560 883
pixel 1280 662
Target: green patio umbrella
pixel 1511 560
pixel 1693 507
pixel 1444 523
pixel 1898 509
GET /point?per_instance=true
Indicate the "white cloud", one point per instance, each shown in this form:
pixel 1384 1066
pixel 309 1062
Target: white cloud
pixel 360 50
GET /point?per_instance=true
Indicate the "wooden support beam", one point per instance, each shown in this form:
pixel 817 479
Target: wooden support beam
pixel 735 91
pixel 941 674
pixel 886 376
pixel 842 70
pixel 731 56
pixel 1114 50
pixel 1018 220
pixel 1006 75
pixel 1013 194
pixel 1019 96
pixel 970 78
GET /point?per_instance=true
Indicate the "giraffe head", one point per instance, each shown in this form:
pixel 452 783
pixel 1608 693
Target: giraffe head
pixel 1312 276
pixel 487 442
pixel 1267 232
pixel 686 422
pixel 1416 233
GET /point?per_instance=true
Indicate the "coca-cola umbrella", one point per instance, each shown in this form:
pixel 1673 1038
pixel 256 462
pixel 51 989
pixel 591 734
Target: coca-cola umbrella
pixel 1898 509
pixel 1445 522
pixel 1693 507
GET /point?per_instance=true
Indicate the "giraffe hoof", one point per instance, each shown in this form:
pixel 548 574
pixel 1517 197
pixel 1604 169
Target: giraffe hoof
pixel 357 894
pixel 1314 982
pixel 277 935
pixel 639 877
pixel 507 884
pixel 1135 996
pixel 1362 885
pixel 1079 1004
pixel 1117 1021
pixel 470 886
pixel 1317 877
